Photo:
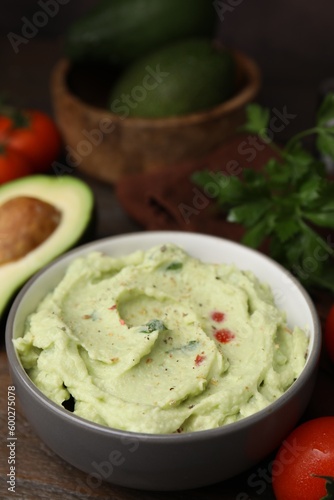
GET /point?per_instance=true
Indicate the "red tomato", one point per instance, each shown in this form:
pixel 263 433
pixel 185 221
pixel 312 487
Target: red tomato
pixel 12 165
pixel 6 124
pixel 329 333
pixel 34 135
pixel 307 452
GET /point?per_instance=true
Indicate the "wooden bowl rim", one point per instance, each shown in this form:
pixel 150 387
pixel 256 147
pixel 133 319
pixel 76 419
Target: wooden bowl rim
pixel 247 65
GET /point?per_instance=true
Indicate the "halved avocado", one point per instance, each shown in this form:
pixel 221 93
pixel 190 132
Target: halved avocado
pixel 67 205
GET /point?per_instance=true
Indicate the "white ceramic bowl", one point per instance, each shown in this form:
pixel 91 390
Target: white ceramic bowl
pixel 175 461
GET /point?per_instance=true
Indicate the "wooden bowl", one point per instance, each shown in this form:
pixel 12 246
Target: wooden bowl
pixel 109 146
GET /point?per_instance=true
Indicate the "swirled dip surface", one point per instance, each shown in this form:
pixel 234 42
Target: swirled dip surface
pixel 160 342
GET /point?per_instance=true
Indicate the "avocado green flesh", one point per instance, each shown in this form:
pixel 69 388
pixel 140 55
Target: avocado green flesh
pixel 73 198
pixel 181 78
pixel 119 31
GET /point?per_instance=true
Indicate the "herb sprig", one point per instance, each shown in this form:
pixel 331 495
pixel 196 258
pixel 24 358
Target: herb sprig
pixel 290 202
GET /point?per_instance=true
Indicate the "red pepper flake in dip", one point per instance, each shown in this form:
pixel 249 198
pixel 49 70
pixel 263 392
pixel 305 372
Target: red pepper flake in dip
pixel 112 308
pixel 122 322
pixel 218 316
pixel 199 359
pixel 224 336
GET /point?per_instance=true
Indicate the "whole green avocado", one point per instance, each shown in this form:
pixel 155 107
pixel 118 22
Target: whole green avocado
pixel 180 78
pixel 119 31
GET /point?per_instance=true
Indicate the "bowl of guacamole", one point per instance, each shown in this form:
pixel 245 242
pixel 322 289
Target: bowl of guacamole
pixel 148 350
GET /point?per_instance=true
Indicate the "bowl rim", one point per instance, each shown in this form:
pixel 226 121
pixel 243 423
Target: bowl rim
pixel 247 93
pixel 231 428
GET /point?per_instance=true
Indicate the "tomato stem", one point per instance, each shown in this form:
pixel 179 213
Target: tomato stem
pixel 20 119
pixel 329 486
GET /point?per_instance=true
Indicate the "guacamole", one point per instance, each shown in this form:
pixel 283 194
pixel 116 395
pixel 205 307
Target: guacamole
pixel 160 342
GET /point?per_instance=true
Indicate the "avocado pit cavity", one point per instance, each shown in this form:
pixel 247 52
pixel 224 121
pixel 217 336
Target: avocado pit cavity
pixel 25 223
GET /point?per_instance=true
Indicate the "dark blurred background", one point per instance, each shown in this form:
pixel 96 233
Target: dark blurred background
pixel 292 41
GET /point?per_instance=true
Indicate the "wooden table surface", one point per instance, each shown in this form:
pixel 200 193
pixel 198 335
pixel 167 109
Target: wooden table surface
pixel 39 473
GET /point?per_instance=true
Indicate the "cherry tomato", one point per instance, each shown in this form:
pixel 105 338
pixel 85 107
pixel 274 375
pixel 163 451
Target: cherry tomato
pixel 307 452
pixel 12 165
pixel 34 135
pixel 329 333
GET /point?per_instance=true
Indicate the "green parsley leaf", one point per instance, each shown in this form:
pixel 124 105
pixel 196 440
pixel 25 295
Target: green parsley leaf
pixel 249 213
pixel 322 219
pixel 232 192
pixel 286 228
pixel 257 120
pixel 255 183
pixel 203 178
pixel 256 235
pixel 326 111
pixel 309 191
pixel 289 203
pixel 328 206
pixel 325 143
pixel 277 176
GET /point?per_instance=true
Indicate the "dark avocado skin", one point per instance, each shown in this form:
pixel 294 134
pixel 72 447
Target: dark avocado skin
pixel 190 76
pixel 119 31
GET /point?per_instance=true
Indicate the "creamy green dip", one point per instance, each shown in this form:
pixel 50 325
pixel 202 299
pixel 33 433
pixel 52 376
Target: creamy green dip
pixel 161 342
